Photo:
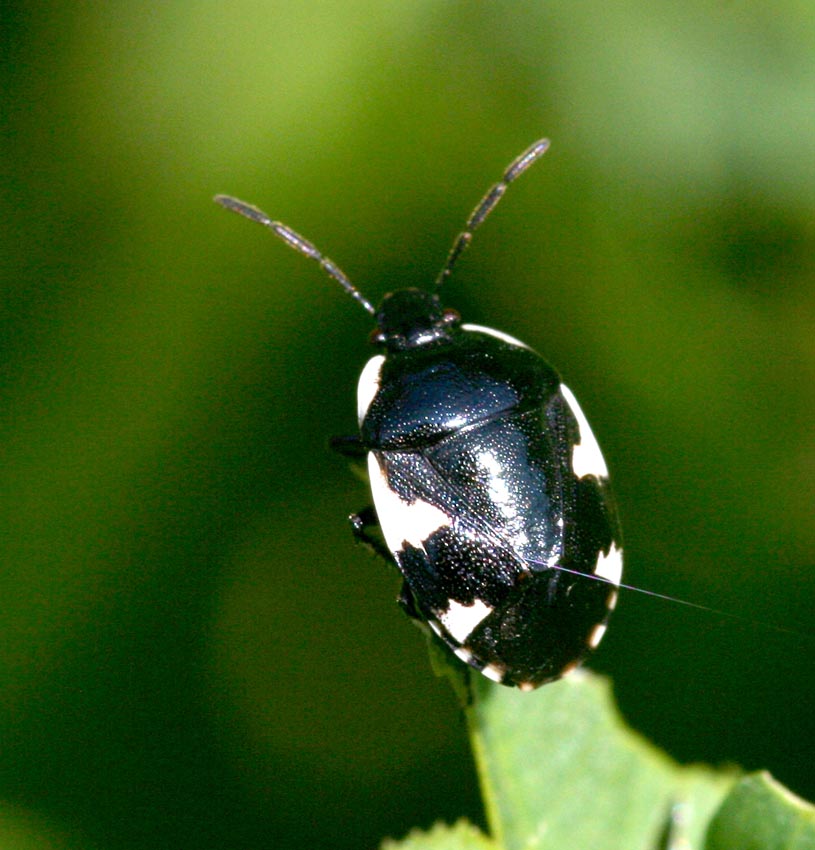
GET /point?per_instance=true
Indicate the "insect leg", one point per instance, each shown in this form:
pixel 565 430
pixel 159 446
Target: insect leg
pixel 365 519
pixel 360 523
pixel 348 447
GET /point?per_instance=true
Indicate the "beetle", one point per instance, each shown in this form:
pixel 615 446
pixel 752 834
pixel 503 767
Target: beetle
pixel 490 493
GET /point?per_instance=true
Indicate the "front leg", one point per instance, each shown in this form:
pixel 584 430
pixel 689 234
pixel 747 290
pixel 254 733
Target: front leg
pixel 350 447
pixel 360 523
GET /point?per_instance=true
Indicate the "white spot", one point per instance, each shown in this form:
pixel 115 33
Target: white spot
pixel 612 600
pixel 569 669
pixel 464 654
pixel 526 687
pixel 491 671
pixel 460 620
pixel 587 459
pixel 368 385
pixel 402 522
pixel 597 635
pixel 610 567
pixel 509 340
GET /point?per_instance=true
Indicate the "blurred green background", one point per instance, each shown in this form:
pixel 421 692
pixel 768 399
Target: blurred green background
pixel 193 653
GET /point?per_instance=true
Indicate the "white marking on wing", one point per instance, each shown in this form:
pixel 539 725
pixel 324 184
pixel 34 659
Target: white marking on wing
pixel 610 567
pixel 401 521
pixel 570 669
pixel 587 459
pixel 597 635
pixel 460 620
pixel 368 385
pixel 492 671
pixel 464 654
pixel 509 340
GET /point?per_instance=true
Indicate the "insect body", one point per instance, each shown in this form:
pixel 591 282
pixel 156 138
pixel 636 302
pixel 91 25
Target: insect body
pixel 489 488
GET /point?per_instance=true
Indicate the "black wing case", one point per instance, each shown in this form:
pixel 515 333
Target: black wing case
pixel 497 580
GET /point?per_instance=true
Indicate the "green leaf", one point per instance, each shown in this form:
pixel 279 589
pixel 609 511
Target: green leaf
pixel 461 836
pixel 760 814
pixel 560 769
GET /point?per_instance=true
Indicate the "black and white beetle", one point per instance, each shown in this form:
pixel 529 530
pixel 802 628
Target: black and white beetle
pixel 489 487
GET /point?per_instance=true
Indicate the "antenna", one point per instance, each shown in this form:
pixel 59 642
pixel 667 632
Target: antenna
pixel 719 612
pixel 487 204
pixel 298 243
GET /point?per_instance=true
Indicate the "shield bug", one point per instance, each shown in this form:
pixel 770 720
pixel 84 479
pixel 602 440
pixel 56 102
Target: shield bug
pixel 490 493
